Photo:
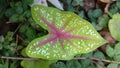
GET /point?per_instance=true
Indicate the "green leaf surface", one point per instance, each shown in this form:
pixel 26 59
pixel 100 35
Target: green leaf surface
pixel 80 27
pixel 77 2
pixel 91 66
pixel 97 13
pixel 114 26
pixel 58 65
pixel 117 52
pixel 99 54
pixel 36 64
pixel 110 51
pixel 73 64
pixel 103 21
pixel 100 64
pixel 88 55
pixel 14 18
pixel 85 63
pixel 112 65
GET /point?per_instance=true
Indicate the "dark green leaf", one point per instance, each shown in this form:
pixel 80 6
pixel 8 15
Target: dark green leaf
pixel 91 66
pixel 27 13
pixel 9 12
pixel 103 21
pixel 13 64
pixel 19 10
pixel 21 17
pixel 118 4
pixel 70 8
pixel 8 37
pixel 28 2
pixel 97 27
pixel 99 54
pixel 113 11
pixel 18 4
pixel 117 52
pixel 85 63
pixel 12 4
pixel 100 64
pixel 90 15
pixel 23 28
pixel 90 54
pixel 73 64
pixel 97 13
pixel 30 33
pixel 77 2
pixel 82 14
pixel 58 65
pixel 110 51
pixel 13 18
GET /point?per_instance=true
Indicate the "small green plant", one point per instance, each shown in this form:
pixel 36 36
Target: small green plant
pixel 81 63
pixel 98 19
pixel 8 64
pixel 8 47
pixel 113 54
pixel 18 12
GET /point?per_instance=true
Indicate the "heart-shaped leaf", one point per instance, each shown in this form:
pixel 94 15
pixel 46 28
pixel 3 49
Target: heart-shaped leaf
pixel 68 36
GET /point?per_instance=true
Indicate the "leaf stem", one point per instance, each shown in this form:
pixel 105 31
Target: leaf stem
pixel 77 58
pixel 18 58
pixel 97 59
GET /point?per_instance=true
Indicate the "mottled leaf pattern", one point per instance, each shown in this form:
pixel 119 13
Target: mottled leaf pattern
pixel 80 27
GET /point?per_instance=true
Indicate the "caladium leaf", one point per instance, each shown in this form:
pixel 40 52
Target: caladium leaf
pixel 68 36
